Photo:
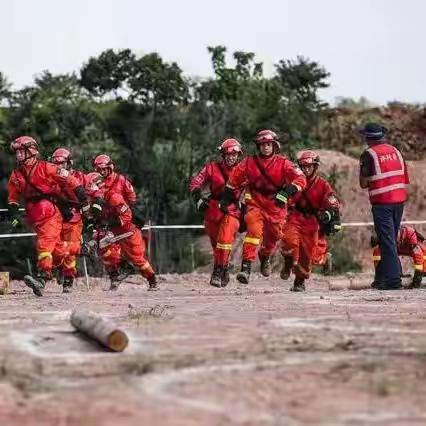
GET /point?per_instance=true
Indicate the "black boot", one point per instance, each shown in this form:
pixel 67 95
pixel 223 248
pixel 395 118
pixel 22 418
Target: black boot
pixel 286 269
pixel 265 265
pixel 67 285
pixel 115 280
pixel 36 284
pixel 225 276
pixel 244 276
pixel 153 283
pixel 216 277
pixel 298 285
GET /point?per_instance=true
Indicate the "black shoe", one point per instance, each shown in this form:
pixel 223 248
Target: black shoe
pixel 216 278
pixel 153 283
pixel 67 285
pixel 265 265
pixel 225 276
pixel 244 276
pixel 115 279
pixel 286 269
pixel 36 284
pixel 298 285
pixel 392 287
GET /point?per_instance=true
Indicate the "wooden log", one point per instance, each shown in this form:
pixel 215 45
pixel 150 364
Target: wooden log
pixel 103 331
pixel 350 284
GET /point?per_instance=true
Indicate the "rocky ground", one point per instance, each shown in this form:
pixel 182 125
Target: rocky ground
pixel 247 355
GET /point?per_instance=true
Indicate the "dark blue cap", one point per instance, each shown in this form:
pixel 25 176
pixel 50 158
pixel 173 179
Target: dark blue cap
pixel 373 131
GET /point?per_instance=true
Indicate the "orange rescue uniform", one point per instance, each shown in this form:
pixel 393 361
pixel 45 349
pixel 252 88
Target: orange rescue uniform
pixel 35 184
pixel 220 227
pixel 408 244
pixel 300 238
pixel 264 176
pixel 119 214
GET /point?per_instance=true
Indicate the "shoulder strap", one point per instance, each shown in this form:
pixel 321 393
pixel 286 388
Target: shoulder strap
pixel 264 174
pixel 222 172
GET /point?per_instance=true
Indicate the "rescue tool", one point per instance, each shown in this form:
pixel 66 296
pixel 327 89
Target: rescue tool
pixel 108 240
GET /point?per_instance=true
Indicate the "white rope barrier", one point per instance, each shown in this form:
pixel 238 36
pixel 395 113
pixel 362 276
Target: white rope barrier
pixel 344 224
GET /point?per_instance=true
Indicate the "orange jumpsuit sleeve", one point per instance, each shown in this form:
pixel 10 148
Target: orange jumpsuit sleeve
pixel 238 176
pixel 15 188
pixel 294 176
pixel 121 211
pixel 129 192
pixel 62 177
pixel 200 179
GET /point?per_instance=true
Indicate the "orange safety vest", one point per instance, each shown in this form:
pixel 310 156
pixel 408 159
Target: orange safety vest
pixel 387 184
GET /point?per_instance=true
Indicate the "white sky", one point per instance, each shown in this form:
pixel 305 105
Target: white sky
pixel 372 48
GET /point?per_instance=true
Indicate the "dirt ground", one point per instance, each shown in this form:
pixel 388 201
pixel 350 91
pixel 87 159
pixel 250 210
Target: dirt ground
pixel 246 355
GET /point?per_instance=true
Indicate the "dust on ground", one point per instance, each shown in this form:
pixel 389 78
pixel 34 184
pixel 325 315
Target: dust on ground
pixel 246 355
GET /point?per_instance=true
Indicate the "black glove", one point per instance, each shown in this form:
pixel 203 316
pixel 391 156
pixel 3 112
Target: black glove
pixel 333 226
pixel 67 214
pixel 13 215
pixel 417 279
pixel 81 195
pixel 138 217
pixel 97 207
pixel 226 199
pixel 282 196
pixel 202 203
pixel 325 216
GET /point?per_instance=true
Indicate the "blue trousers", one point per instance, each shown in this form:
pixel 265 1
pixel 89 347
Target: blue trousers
pixel 387 219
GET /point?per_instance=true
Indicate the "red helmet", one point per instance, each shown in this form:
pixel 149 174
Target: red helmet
pixel 103 161
pixel 26 143
pixel 265 136
pixel 61 155
pixel 307 158
pixel 229 146
pixel 94 183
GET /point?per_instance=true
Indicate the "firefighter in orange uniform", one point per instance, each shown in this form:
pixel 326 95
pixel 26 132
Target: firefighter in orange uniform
pixel 409 243
pixel 311 208
pixel 384 174
pixel 36 182
pixel 111 254
pixel 72 226
pixel 221 227
pixel 116 213
pixel 113 181
pixel 271 180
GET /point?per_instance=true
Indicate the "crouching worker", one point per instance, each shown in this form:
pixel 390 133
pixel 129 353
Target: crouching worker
pixel 110 211
pixel 313 208
pixel 221 225
pixel 409 243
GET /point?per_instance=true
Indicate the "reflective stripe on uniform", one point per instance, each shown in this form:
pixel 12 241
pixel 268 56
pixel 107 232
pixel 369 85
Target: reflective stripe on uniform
pixel 387 188
pixel 44 254
pixel 251 240
pixel 418 267
pixel 377 258
pixel 224 246
pixel 247 196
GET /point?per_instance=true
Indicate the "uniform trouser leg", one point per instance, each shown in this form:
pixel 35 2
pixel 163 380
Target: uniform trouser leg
pixel 291 241
pixel 255 224
pixel 48 242
pixel 272 233
pixel 71 235
pixel 133 249
pixel 212 229
pixel 308 241
pixel 111 257
pixel 387 219
pixel 228 228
